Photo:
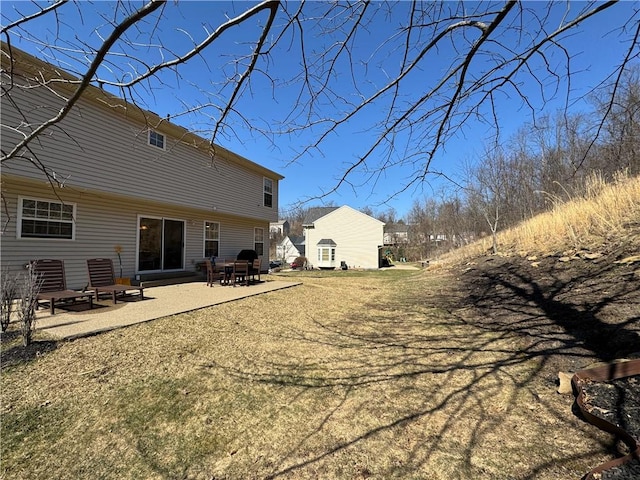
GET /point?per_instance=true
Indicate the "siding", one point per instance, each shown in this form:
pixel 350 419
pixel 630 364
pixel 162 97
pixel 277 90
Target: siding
pixel 287 251
pixel 99 149
pixel 103 221
pixel 357 236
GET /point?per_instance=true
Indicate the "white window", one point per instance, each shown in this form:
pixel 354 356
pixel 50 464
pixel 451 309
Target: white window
pixel 211 239
pixel 156 139
pixel 268 192
pixel 258 240
pixel 326 254
pixel 46 219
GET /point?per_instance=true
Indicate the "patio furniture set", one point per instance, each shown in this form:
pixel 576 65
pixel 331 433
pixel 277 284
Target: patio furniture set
pixel 53 289
pixel 53 286
pixel 233 272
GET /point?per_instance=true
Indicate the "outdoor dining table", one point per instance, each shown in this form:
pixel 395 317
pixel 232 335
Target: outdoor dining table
pixel 228 271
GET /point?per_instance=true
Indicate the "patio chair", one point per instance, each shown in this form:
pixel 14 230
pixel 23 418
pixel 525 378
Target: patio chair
pixel 213 273
pixel 255 269
pixel 53 286
pixel 102 279
pixel 240 272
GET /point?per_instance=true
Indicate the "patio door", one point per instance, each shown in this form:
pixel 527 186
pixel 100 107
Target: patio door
pixel 160 244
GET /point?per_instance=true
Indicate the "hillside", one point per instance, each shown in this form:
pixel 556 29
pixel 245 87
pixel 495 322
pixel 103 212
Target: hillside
pixel 568 280
pixel 566 285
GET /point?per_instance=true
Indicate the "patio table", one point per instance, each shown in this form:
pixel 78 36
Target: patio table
pixel 226 277
pixel 228 271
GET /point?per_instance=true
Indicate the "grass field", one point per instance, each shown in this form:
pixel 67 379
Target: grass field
pixel 387 374
pixel 373 375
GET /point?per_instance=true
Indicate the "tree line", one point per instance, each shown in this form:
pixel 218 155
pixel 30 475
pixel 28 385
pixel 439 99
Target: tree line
pixel 513 180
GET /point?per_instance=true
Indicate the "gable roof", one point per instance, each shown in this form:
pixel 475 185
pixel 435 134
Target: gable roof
pixel 315 213
pixel 396 228
pixel 296 239
pixel 299 243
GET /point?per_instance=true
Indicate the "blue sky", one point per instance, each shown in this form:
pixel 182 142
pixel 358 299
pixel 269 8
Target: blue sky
pixel 270 102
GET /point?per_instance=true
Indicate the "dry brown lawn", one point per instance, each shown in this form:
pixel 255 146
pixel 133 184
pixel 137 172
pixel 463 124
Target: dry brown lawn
pixel 382 375
pixel 448 373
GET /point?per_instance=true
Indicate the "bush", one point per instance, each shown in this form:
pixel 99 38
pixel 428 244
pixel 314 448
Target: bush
pixel 300 262
pixel 28 290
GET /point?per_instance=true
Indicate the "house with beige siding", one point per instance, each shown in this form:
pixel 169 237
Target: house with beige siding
pixel 342 234
pixel 120 178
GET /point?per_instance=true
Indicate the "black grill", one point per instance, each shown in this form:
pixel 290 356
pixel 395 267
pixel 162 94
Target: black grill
pixel 249 255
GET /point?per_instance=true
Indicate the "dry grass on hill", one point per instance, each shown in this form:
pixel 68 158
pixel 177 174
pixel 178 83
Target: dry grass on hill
pixel 607 215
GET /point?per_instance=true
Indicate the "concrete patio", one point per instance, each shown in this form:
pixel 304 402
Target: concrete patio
pixel 158 302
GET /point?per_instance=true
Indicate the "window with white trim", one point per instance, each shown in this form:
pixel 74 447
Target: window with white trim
pixel 211 239
pixel 46 219
pixel 258 240
pixel 156 139
pixel 268 192
pixel 326 254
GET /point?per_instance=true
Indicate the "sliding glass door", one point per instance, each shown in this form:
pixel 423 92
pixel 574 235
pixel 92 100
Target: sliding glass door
pixel 160 244
pixel 173 251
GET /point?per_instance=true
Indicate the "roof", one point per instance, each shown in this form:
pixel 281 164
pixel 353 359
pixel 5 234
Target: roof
pixel 315 213
pixel 37 69
pixel 396 228
pixel 298 242
pixel 296 239
pixel 327 241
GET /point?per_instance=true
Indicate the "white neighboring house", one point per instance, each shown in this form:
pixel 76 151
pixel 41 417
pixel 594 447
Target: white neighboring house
pixel 134 183
pixel 342 234
pixel 290 248
pixel 280 227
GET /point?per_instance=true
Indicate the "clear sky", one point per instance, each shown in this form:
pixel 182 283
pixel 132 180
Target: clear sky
pixel 374 57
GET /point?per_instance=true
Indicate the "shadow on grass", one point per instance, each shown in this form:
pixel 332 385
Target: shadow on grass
pixel 593 309
pixel 474 363
pixel 431 377
pixel 14 353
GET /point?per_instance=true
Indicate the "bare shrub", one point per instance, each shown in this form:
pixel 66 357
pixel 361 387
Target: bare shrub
pixel 300 262
pixel 28 291
pixel 8 287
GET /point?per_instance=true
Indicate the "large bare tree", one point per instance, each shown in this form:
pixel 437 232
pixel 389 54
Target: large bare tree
pixel 413 75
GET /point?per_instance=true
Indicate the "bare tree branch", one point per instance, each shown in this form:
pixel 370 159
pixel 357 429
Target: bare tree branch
pixel 273 7
pixel 85 81
pixel 412 76
pixel 631 53
pixel 4 30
